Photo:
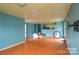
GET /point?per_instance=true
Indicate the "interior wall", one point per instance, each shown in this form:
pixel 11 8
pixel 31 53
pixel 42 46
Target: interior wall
pixel 30 29
pixel 58 27
pixel 11 30
pixel 72 36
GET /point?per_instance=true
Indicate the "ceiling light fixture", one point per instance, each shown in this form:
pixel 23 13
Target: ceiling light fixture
pixel 21 4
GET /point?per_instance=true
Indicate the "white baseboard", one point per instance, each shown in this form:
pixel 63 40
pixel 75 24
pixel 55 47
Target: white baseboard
pixel 69 48
pixel 12 46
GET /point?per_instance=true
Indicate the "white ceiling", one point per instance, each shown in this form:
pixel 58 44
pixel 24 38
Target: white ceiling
pixel 38 13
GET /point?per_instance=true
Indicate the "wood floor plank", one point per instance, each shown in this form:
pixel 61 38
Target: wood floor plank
pixel 47 46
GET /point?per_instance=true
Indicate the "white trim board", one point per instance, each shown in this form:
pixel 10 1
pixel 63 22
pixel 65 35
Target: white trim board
pixel 12 46
pixel 69 48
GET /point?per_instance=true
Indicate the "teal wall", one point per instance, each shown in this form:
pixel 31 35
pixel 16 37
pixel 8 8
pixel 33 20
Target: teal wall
pixel 72 36
pixel 58 27
pixel 30 29
pixel 11 30
pixel 36 28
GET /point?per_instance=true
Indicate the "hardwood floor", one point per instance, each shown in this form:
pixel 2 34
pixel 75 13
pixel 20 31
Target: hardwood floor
pixel 47 46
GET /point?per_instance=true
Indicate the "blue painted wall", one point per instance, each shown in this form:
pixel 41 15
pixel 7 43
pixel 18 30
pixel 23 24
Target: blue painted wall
pixel 35 28
pixel 59 27
pixel 30 29
pixel 72 36
pixel 11 30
